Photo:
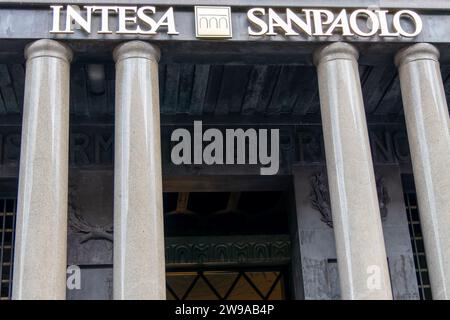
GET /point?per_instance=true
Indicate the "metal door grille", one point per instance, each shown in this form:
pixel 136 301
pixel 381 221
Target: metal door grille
pixel 415 232
pixel 7 227
pixel 239 284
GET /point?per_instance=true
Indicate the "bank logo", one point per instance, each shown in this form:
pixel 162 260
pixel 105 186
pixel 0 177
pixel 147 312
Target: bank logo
pixel 213 22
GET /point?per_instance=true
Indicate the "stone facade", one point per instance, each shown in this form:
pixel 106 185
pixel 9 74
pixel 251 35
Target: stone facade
pixel 91 115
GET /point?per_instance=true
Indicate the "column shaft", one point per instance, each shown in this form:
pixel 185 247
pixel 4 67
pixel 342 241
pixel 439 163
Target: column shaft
pixel 428 126
pixel 139 268
pixel 358 232
pixel 41 230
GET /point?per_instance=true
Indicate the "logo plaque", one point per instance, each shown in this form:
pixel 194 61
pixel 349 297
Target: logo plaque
pixel 213 22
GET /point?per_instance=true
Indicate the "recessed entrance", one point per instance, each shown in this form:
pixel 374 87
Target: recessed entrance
pixel 227 245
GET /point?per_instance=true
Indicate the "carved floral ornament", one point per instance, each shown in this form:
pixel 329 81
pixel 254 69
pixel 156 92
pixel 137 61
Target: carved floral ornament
pixel 320 197
pixel 235 249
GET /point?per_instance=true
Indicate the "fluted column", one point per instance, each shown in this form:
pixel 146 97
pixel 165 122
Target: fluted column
pixel 41 235
pixel 361 253
pixel 139 268
pixel 428 126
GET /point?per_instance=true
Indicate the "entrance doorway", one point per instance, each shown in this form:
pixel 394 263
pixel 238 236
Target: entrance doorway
pixel 233 245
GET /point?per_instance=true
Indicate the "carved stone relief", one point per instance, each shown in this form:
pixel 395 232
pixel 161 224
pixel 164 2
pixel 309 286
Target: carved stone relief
pixel 79 225
pixel 383 196
pixel 320 197
pixel 226 249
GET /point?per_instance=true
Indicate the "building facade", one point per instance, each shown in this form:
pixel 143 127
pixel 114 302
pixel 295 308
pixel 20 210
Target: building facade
pixel 229 150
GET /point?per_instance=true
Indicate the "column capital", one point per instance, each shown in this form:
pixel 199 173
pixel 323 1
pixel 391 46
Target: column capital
pixel 334 51
pixel 48 48
pixel 419 51
pixel 136 49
